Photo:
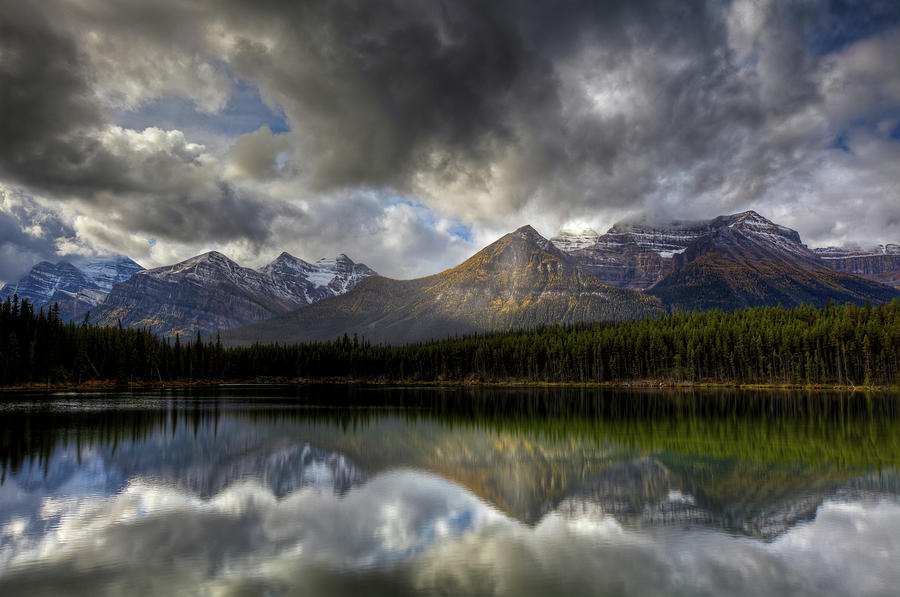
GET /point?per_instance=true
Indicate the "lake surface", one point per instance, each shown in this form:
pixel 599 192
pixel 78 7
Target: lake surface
pixel 378 491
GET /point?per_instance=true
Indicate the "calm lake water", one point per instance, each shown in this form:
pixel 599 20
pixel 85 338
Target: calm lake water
pixel 356 491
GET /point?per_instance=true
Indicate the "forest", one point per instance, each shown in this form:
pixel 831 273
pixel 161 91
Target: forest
pixel 836 345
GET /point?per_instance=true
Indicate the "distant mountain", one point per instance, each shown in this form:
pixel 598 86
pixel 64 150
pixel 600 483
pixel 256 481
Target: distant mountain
pixel 728 262
pixel 211 292
pixel 315 281
pixel 879 264
pixel 638 255
pixel 45 279
pixel 746 260
pixel 76 288
pixel 521 280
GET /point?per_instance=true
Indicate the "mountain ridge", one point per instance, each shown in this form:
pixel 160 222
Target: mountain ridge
pixel 210 292
pixel 520 280
pixel 75 288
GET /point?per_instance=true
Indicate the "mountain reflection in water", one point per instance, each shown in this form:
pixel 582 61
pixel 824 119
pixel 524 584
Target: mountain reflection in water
pixel 343 490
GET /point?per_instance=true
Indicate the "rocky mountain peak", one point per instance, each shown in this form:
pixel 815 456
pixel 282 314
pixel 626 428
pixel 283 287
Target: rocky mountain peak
pixel 285 261
pixel 763 229
pixel 285 256
pixel 529 234
pixel 527 231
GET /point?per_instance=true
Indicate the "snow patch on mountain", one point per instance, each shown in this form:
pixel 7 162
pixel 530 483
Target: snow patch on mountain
pixel 855 250
pixel 573 239
pixel 671 254
pixel 314 281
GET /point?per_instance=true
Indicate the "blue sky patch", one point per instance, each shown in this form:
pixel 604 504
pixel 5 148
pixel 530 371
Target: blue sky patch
pixel 848 21
pixel 245 113
pixel 840 142
pixel 461 231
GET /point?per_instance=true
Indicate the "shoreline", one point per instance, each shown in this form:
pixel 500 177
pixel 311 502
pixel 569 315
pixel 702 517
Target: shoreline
pixel 647 384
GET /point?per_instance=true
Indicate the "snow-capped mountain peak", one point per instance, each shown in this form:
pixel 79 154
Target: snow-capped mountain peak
pixel 328 276
pixel 763 230
pixel 106 272
pixel 570 239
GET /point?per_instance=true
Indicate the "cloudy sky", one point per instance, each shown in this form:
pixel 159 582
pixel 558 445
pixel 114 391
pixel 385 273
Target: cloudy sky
pixel 408 134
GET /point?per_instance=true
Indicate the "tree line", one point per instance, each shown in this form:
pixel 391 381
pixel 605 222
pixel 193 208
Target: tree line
pixel 846 345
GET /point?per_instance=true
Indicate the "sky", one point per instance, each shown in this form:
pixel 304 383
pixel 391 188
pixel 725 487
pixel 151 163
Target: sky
pixel 408 134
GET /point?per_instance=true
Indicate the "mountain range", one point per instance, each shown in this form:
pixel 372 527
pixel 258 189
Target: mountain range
pixel 211 292
pixel 75 288
pixel 634 270
pixel 639 255
pixel 521 280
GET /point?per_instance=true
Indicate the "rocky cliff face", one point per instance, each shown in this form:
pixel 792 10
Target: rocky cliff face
pixel 76 305
pixel 880 263
pixel 211 292
pixel 634 256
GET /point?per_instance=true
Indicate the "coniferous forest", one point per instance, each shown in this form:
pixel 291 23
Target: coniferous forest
pixel 844 345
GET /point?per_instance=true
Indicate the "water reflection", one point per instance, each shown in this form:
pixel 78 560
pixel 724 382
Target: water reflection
pixel 447 491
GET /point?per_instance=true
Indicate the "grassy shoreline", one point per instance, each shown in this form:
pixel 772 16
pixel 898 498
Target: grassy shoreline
pixel 645 384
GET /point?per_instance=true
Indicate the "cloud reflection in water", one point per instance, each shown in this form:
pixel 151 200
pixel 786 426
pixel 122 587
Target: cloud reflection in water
pixel 409 532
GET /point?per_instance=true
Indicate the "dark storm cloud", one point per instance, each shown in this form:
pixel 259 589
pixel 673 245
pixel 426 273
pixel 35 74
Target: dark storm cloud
pixel 45 97
pixel 384 93
pixel 57 141
pixel 489 113
pixel 569 107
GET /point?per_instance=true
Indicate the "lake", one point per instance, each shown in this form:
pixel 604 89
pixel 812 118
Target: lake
pixel 342 490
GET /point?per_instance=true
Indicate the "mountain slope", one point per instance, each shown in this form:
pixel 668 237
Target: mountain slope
pixel 521 280
pixel 211 292
pixel 745 260
pixel 106 272
pixel 45 279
